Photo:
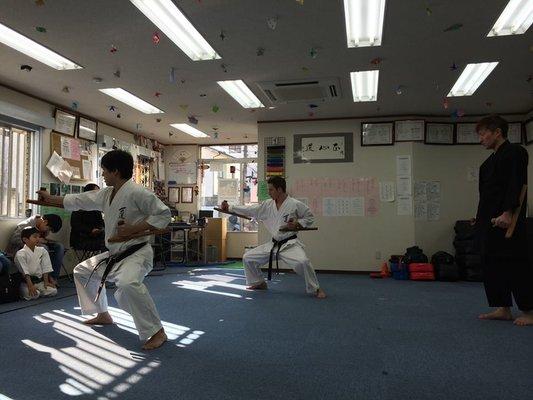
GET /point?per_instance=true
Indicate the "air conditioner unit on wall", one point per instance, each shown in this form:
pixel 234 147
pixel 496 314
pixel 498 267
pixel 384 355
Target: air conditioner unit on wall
pixel 302 91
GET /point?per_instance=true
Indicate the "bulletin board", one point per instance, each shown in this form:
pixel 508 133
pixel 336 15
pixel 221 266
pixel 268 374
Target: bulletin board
pixel 71 149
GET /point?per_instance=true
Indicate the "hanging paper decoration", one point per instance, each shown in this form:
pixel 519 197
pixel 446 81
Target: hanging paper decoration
pixel 119 116
pixel 184 106
pixel 215 135
pixel 183 81
pixel 445 103
pixel 155 38
pixel 97 79
pixel 157 94
pixel 193 120
pixel 272 22
pixel 215 108
pixel 260 51
pixel 170 134
pixel 117 73
pixel 75 105
pixel 453 27
pixel 65 89
pixel 399 89
pixel 203 95
pixel 300 2
pixel 428 11
pixel 138 126
pixel 26 67
pixel 158 120
pixel 172 75
pixel 222 35
pixel 113 49
pixel 376 61
pixel 112 108
pixel 39 2
pixel 313 52
pixel 311 114
pixel 453 67
pixel 224 67
pixel 40 29
pixel 305 69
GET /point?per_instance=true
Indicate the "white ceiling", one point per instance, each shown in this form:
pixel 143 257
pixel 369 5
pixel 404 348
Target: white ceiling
pixel 416 54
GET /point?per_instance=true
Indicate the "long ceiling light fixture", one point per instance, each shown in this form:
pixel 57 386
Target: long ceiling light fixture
pixel 472 76
pixel 171 21
pixel 365 85
pixel 515 19
pixel 189 130
pixel 131 100
pixel 364 22
pixel 241 93
pixel 25 45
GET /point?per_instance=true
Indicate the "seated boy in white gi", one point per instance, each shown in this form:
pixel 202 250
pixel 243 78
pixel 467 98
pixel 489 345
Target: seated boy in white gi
pixel 34 263
pixel 279 212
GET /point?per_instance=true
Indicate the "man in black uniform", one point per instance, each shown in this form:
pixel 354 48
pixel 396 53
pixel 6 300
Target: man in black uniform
pixel 506 268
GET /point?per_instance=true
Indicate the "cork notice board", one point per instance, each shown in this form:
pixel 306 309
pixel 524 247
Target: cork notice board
pixel 73 151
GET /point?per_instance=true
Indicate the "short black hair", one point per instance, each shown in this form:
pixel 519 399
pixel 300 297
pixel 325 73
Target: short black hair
pixel 27 232
pixel 118 160
pixel 278 182
pixel 54 222
pixel 493 122
pixel 90 186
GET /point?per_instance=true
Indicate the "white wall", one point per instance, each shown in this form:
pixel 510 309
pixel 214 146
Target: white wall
pixel 352 243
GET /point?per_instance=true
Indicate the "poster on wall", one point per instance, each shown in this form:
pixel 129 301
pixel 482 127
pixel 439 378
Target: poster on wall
pixel 181 173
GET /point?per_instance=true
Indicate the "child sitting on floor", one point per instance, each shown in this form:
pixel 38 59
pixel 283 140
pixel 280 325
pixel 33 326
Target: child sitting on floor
pixel 34 264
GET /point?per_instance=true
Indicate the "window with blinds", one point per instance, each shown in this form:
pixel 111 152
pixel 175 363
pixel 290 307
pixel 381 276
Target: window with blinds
pixel 18 157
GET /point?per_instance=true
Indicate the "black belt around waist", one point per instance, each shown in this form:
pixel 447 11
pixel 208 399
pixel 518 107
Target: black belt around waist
pixel 110 263
pixel 35 279
pixel 277 243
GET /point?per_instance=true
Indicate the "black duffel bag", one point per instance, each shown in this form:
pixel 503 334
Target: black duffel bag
pixel 464 246
pixel 414 255
pixel 445 267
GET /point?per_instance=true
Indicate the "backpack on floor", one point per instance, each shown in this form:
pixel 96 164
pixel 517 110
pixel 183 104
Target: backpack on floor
pixel 9 287
pixel 414 255
pixel 445 267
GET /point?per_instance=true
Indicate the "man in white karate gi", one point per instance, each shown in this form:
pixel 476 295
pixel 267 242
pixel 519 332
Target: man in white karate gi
pixel 281 211
pixel 128 208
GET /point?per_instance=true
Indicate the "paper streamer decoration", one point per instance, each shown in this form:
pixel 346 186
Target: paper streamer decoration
pixel 272 22
pixel 40 29
pixel 453 27
pixel 172 75
pixel 26 67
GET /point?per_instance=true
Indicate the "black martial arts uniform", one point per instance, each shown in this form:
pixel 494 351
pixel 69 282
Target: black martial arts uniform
pixel 506 268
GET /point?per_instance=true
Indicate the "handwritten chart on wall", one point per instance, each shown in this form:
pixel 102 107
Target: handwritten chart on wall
pixel 338 197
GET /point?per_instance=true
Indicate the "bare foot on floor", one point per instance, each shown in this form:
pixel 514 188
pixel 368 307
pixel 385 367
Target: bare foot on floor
pixel 320 294
pixel 100 319
pixel 501 314
pixel 259 286
pixel 156 341
pixel 525 319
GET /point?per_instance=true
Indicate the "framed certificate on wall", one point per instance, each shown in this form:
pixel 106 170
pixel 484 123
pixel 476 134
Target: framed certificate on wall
pixel 65 122
pixel 529 131
pixel 377 134
pixel 466 133
pixel 87 129
pixel 409 131
pixel 514 134
pixel 439 133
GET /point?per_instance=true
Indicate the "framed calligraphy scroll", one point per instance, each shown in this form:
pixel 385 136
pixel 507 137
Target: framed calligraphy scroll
pixel 323 148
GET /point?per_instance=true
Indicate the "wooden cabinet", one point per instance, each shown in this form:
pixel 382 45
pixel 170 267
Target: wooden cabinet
pixel 215 235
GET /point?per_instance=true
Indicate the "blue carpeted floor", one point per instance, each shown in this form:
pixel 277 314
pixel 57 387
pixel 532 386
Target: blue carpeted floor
pixel 371 339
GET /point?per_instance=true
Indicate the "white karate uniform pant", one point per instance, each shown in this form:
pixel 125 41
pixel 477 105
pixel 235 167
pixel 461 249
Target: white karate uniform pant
pixel 131 293
pixel 291 253
pixel 41 291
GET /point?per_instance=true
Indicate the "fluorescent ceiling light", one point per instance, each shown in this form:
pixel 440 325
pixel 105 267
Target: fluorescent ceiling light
pixel 35 50
pixel 472 76
pixel 365 85
pixel 171 21
pixel 515 19
pixel 364 22
pixel 131 100
pixel 189 130
pixel 241 93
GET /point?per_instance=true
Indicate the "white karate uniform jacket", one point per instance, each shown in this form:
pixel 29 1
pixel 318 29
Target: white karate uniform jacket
pixel 34 263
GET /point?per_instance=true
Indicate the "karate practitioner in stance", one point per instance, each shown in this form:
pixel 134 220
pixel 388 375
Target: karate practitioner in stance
pixel 507 272
pixel 128 209
pixel 281 211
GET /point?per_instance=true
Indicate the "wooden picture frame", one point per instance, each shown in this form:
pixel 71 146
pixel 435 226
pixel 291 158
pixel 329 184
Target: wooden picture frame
pixel 87 129
pixel 187 194
pixel 465 133
pixel 377 134
pixel 325 148
pixel 439 133
pixel 65 122
pixel 409 130
pixel 174 195
pixel 528 130
pixel 515 133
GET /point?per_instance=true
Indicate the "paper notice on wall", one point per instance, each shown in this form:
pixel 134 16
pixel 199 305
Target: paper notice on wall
pixel 87 170
pixel 433 191
pixel 433 211
pixel 472 174
pixel 405 205
pixel 403 165
pixel 421 211
pixel 75 173
pixel 386 191
pixel 59 168
pixel 403 185
pixel 228 188
pixel 421 191
pixel 65 147
pixel 74 149
pixel 343 206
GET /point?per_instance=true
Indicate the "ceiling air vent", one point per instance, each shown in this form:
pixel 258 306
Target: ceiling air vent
pixel 301 91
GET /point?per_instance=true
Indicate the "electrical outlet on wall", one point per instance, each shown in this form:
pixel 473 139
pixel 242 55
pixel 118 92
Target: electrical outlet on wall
pixel 378 255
